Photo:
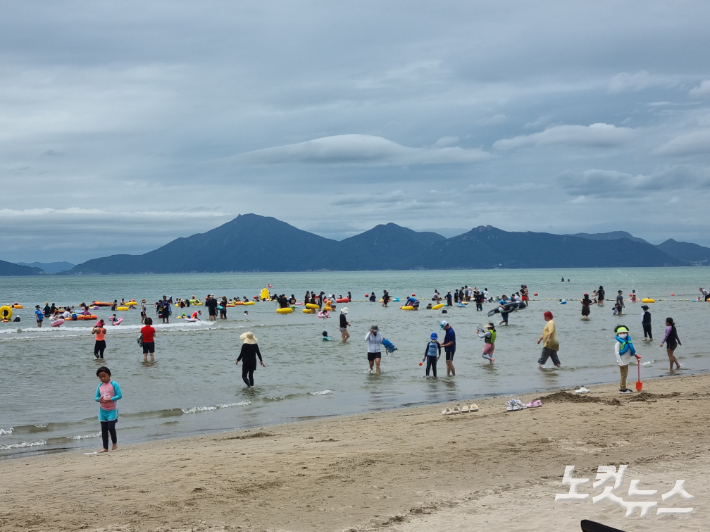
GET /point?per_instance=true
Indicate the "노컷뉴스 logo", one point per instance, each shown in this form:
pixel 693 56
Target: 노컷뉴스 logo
pixel 607 474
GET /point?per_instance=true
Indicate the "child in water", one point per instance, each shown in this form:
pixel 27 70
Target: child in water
pixel 107 393
pixel 488 333
pixel 325 337
pixel 432 354
pixel 624 351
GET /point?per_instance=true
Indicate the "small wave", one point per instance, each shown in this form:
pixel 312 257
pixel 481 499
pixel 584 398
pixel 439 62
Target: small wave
pixel 84 436
pixel 196 409
pixel 5 431
pixel 23 444
pixel 324 392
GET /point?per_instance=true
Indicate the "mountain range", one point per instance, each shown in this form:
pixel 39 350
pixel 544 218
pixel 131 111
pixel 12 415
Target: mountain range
pixel 251 243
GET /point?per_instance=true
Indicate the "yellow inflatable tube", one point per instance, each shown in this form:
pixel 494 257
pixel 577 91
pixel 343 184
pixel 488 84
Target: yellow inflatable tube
pixel 121 308
pixel 284 310
pixel 408 307
pixel 17 306
pixel 648 300
pixel 5 313
pixel 308 311
pixel 437 307
pixel 249 303
pixel 312 306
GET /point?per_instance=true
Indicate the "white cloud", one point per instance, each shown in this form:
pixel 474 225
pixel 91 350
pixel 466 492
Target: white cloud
pixel 626 82
pixel 359 150
pixel 539 122
pixel 593 136
pixel 701 90
pixel 490 188
pixel 697 142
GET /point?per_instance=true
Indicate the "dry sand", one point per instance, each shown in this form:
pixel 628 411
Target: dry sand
pixel 403 470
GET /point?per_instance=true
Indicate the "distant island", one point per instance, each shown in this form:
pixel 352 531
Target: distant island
pixel 253 243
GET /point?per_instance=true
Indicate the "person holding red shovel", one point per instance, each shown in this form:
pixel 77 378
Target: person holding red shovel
pixel 624 351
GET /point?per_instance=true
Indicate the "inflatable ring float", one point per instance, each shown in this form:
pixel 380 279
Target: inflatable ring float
pixel 287 310
pixel 407 307
pixel 16 305
pixel 648 300
pixel 437 307
pixel 6 313
pixel 343 300
pixel 121 308
pixel 312 306
pixel 308 311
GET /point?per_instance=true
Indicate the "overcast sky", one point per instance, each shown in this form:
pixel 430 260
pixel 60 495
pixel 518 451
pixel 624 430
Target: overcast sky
pixel 126 124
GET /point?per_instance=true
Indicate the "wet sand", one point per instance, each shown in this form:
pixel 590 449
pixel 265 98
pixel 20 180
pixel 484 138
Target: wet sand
pixel 402 470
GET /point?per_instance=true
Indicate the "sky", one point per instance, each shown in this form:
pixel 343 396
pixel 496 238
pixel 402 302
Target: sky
pixel 124 125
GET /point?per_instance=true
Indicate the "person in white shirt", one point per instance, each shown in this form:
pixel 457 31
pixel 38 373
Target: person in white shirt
pixel 374 355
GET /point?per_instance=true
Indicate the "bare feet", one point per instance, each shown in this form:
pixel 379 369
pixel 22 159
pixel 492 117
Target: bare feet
pixel 103 451
pixel 115 446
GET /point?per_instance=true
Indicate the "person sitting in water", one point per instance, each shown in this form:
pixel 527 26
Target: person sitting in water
pixel 412 302
pixel 325 337
pixel 113 319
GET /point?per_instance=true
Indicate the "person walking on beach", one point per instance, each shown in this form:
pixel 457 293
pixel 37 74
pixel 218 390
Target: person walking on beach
pixel 107 393
pixel 344 324
pixel 100 346
pixel 619 302
pixel 488 333
pixel 374 355
pixel 39 315
pixel 248 354
pixel 586 303
pixel 672 341
pixel 432 353
pixel 646 323
pixel 148 339
pixel 449 346
pixel 624 351
pixel 550 345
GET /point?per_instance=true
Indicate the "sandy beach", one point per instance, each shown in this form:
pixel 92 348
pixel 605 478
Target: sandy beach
pixel 402 470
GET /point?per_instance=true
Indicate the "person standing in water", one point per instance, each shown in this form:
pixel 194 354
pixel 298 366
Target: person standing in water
pixel 449 346
pixel 550 345
pixel 248 354
pixel 344 324
pixel 600 296
pixel 374 355
pixel 432 354
pixel 39 315
pixel 672 341
pixel 148 337
pixel 488 333
pixel 619 302
pixel 586 303
pixel 100 331
pixel 107 393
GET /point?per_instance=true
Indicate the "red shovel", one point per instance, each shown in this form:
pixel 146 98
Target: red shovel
pixel 639 384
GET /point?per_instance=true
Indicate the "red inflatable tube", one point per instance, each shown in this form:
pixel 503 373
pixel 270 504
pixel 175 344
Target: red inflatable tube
pixel 343 300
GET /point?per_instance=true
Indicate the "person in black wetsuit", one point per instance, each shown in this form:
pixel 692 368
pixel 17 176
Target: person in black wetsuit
pixel 385 298
pixel 250 350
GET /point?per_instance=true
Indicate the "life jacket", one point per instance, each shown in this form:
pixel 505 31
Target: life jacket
pixel 432 349
pixel 493 337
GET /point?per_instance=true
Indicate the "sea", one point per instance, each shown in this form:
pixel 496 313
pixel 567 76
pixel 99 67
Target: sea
pixel 48 375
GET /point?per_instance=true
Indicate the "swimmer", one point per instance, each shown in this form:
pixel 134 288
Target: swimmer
pixel 325 337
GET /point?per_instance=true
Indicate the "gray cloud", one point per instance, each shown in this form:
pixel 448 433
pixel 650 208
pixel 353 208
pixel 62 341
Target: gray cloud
pixel 593 136
pixel 126 118
pixel 360 149
pixel 611 183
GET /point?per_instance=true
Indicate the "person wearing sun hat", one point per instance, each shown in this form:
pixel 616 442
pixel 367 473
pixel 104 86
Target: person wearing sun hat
pixel 624 351
pixel 248 354
pixel 344 324
pixel 374 354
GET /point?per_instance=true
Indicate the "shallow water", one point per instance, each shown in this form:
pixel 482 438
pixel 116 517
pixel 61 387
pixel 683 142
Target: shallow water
pixel 48 376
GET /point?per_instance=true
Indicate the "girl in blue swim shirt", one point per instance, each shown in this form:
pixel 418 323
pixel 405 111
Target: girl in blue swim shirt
pixel 107 393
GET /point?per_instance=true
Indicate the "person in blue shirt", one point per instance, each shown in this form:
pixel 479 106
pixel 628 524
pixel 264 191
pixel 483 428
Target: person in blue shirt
pixel 40 315
pixel 449 346
pixel 413 302
pixel 432 354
